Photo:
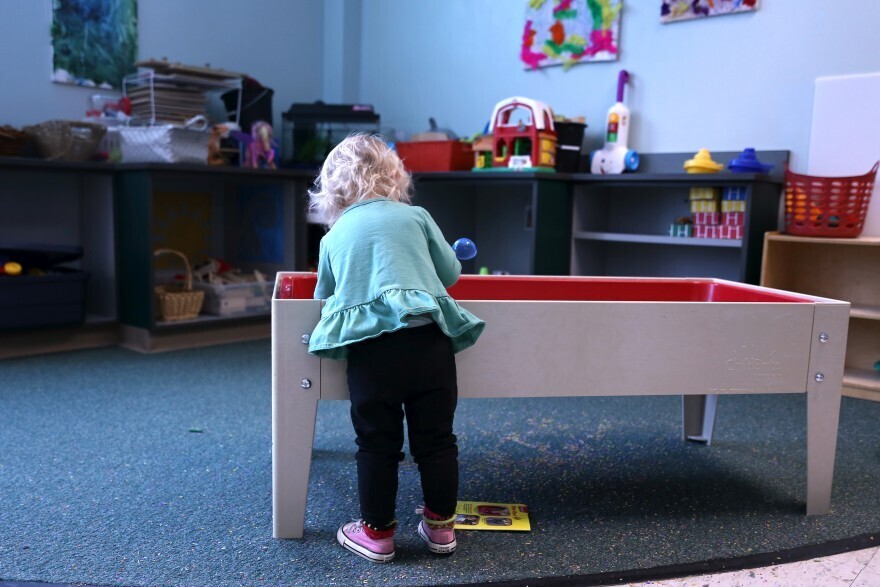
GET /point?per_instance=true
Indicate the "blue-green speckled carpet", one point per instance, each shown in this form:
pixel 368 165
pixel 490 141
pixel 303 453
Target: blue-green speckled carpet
pixel 124 469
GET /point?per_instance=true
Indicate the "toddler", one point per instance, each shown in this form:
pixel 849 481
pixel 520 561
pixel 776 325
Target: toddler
pixel 383 269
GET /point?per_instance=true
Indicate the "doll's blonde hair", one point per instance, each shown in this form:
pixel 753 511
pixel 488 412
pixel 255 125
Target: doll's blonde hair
pixel 361 167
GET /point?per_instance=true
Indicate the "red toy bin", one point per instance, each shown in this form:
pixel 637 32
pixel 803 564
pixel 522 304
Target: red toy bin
pixel 827 206
pixel 436 155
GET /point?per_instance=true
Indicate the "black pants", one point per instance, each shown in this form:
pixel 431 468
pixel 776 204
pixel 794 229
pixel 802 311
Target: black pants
pixel 409 372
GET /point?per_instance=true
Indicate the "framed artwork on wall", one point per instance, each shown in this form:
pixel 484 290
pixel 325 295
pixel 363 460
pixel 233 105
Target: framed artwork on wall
pixel 568 32
pixel 94 42
pixel 676 10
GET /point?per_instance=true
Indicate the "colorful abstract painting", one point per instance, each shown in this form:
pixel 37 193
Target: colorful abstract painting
pixel 675 10
pixel 567 32
pixel 94 42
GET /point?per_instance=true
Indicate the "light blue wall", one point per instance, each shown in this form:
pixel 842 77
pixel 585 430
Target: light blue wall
pixel 721 83
pixel 278 42
pixel 342 48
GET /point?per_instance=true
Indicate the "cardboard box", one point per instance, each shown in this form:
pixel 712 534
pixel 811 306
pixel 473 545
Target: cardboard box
pixel 733 218
pixel 236 298
pixel 733 206
pixel 706 231
pixel 732 232
pixel 737 192
pixel 704 194
pixel 710 218
pixel 681 230
pixel 704 206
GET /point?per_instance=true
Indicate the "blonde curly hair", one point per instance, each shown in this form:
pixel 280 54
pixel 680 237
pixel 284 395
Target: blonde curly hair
pixel 361 167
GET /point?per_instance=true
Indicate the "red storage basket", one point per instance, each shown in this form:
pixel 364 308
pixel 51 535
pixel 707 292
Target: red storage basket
pixel 436 155
pixel 827 206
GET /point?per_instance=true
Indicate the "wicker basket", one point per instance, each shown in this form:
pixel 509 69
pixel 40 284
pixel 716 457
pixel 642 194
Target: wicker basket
pixel 827 206
pixel 178 302
pixel 67 140
pixel 12 141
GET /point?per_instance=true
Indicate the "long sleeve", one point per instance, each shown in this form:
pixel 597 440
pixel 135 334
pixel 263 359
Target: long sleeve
pixel 446 264
pixel 326 282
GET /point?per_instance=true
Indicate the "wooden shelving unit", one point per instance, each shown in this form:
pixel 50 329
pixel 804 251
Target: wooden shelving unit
pixel 620 237
pixel 523 223
pixel 251 218
pixel 66 204
pixel 109 211
pixel 840 268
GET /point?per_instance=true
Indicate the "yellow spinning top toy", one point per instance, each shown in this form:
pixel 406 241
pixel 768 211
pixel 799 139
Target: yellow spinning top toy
pixel 702 163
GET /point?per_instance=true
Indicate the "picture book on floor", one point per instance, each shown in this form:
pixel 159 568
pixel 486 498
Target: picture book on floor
pixel 480 515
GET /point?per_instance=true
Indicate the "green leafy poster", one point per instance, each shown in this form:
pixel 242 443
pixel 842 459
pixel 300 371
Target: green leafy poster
pixel 94 42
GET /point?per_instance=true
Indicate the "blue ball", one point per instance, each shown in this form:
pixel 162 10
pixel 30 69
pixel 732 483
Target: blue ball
pixel 465 249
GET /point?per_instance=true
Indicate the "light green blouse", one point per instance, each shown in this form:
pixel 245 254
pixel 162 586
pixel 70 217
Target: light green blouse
pixel 382 263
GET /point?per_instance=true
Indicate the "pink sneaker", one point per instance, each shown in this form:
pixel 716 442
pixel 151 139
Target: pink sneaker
pixel 352 537
pixel 440 540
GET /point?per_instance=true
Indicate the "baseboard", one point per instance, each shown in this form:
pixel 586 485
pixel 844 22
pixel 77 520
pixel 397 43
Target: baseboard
pixel 146 341
pixel 860 393
pixel 39 341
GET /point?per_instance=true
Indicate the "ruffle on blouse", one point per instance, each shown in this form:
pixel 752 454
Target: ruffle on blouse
pixel 387 313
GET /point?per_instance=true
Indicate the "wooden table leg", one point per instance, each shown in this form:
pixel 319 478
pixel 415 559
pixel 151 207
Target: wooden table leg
pixel 824 382
pixel 698 417
pixel 296 388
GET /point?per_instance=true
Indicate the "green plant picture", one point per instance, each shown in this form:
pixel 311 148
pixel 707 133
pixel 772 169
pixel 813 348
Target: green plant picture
pixel 94 42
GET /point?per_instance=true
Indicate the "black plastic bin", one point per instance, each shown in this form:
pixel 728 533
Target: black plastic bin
pixel 569 138
pixel 56 297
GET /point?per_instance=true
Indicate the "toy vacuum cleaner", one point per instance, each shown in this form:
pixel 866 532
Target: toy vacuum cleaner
pixel 616 157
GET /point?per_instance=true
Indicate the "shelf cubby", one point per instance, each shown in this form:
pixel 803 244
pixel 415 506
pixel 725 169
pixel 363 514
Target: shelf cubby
pixel 839 268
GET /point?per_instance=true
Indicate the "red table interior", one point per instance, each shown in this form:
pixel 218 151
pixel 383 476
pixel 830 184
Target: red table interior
pixel 546 288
